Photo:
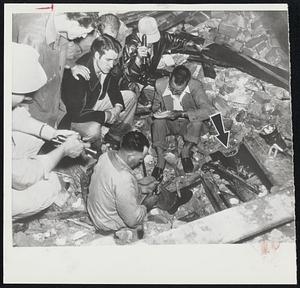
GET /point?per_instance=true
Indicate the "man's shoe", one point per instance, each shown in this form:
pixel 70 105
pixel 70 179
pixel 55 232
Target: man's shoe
pixel 170 201
pixel 186 196
pixel 157 173
pixel 143 100
pixel 187 165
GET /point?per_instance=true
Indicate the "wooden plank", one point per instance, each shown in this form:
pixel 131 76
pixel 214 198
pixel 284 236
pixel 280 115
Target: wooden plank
pixel 234 224
pixel 211 192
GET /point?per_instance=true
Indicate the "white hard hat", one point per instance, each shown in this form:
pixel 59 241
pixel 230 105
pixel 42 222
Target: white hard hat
pixel 28 74
pixel 148 25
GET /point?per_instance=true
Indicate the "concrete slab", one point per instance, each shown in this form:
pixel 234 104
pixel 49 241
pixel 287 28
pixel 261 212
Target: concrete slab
pixel 234 224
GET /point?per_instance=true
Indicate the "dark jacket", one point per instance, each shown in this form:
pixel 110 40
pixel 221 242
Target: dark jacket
pixel 168 43
pixel 80 96
pixel 212 55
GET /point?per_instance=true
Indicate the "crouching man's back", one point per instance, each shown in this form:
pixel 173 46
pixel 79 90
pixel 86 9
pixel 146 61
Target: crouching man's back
pixel 113 200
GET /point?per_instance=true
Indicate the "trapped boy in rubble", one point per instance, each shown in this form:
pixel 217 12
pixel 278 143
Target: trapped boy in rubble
pixel 34 186
pixel 188 106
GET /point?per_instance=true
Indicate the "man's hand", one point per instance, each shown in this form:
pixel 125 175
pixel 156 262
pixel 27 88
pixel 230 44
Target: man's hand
pixel 80 70
pixel 175 114
pixel 73 146
pixel 150 201
pixel 64 133
pixel 113 114
pixel 201 47
pixel 147 184
pixel 73 51
pixel 142 51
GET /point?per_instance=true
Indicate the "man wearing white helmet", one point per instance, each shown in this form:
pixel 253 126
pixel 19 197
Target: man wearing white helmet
pixel 141 62
pixel 212 54
pixel 34 186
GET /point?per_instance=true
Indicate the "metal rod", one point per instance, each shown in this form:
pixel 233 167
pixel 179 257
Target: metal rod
pixel 61 139
pixel 144 168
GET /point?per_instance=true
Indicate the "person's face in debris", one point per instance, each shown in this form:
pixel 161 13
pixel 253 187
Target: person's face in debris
pixel 71 27
pixel 106 62
pixel 176 89
pixel 136 158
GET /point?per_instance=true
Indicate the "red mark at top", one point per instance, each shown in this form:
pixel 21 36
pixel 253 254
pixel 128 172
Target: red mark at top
pixel 49 7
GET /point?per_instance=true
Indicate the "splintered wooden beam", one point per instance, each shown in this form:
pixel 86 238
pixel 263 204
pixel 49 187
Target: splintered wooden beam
pixel 234 224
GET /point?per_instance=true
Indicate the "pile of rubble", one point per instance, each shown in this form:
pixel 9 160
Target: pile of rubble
pixel 246 104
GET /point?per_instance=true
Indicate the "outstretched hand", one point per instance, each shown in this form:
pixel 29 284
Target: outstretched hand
pixel 147 184
pixel 73 146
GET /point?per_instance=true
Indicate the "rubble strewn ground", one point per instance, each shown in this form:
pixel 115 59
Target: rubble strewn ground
pixel 246 104
pixel 78 230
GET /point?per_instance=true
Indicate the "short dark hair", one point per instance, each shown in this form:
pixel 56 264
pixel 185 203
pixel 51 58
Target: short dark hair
pixel 84 19
pixel 181 75
pixel 134 141
pixel 105 42
pixel 109 20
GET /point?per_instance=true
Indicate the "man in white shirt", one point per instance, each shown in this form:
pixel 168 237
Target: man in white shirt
pixel 188 104
pixel 34 185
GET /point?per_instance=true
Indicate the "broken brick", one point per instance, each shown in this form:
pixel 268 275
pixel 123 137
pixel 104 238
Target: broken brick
pixel 236 20
pixel 221 105
pixel 253 42
pixel 228 89
pixel 241 37
pixel 261 97
pixel 282 54
pixel 237 46
pixel 259 31
pixel 248 35
pixel 284 64
pixel 256 24
pixel 274 42
pixel 196 18
pixel 261 46
pixel 272 55
pixel 218 14
pixel 255 109
pixel 220 39
pixel 231 31
pixel 208 86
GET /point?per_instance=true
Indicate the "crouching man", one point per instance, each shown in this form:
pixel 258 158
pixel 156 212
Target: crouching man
pixel 188 104
pixel 98 101
pixel 34 186
pixel 115 195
